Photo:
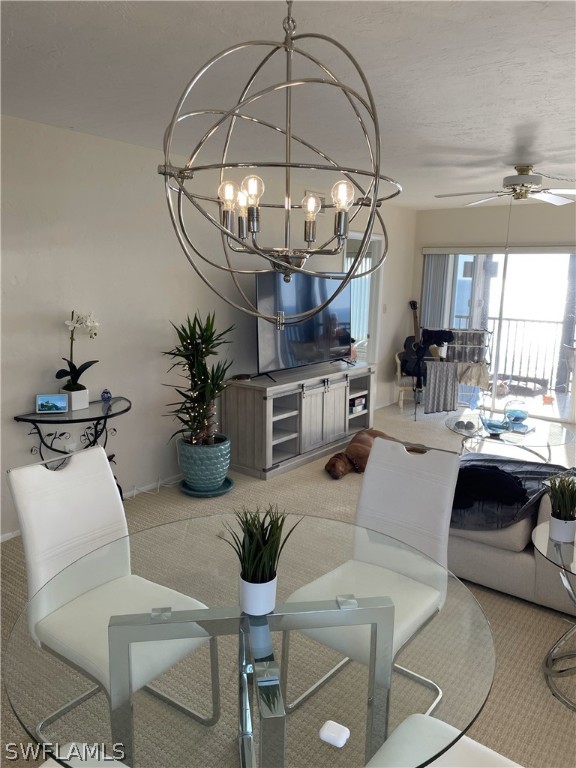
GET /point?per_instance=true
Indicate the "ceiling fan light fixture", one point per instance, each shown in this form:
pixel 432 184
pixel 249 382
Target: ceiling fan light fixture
pixel 524 185
pixel 523 178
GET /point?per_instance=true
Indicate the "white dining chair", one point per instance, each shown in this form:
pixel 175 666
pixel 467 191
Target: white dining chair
pixel 419 736
pixel 407 496
pixel 64 514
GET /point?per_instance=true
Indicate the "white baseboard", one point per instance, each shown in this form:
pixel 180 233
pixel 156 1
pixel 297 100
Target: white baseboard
pixel 7 536
pixel 152 487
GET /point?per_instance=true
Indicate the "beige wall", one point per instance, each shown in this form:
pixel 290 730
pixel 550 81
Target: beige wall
pixel 397 279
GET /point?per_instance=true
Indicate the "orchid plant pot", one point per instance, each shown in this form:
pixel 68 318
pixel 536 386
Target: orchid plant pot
pixel 77 398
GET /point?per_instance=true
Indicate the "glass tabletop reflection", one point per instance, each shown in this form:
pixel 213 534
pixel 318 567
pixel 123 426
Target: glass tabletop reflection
pixel 455 649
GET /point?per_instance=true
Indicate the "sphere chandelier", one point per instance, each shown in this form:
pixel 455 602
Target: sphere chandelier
pixel 237 216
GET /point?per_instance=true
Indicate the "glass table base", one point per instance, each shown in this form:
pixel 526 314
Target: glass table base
pixel 560 664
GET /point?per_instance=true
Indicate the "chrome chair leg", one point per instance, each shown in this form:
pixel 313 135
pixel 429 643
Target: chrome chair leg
pixel 215 677
pixel 118 728
pixel 290 707
pixel 62 711
pixel 423 681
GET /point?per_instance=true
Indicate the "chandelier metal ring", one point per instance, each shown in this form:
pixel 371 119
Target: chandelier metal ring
pixel 235 212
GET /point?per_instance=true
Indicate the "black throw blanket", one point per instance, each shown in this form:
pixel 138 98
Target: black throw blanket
pixel 492 492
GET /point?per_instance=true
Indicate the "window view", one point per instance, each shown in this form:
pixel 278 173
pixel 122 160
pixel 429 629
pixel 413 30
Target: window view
pixel 527 303
pixel 362 297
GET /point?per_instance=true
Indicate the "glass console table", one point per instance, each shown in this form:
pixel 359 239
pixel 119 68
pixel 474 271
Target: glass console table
pixel 53 429
pixel 455 649
pixel 560 661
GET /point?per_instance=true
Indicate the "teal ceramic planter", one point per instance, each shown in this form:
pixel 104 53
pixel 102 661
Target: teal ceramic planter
pixel 204 467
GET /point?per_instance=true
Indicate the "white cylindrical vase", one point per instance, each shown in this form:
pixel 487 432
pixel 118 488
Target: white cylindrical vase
pixel 77 399
pixel 562 530
pixel 258 599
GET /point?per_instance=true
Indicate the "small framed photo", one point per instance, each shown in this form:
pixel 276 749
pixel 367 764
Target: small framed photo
pixel 52 403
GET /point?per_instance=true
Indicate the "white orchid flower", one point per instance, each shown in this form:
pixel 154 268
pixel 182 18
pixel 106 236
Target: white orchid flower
pixel 89 322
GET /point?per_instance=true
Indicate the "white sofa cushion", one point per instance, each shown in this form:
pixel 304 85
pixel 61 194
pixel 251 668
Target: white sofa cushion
pixel 514 538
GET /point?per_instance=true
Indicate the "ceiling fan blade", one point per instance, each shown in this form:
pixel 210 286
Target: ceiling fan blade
pixel 463 194
pixel 560 191
pixel 546 197
pixel 485 199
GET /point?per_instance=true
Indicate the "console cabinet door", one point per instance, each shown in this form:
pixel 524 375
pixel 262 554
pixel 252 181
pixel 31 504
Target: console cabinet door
pixel 324 414
pixel 336 412
pixel 312 418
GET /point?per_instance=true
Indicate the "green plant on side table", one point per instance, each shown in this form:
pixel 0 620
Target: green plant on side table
pixel 203 453
pixel 562 493
pixel 259 545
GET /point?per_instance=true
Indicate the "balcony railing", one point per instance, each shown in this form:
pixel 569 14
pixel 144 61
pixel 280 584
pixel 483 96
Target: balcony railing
pixel 530 350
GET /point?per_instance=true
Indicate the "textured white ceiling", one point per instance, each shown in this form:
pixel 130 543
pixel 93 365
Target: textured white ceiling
pixel 465 90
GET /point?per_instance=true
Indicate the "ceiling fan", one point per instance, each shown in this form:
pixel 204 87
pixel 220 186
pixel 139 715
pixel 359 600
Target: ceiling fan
pixel 522 186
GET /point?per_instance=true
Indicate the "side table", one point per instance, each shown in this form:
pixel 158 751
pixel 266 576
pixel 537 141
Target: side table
pixel 557 661
pixel 51 428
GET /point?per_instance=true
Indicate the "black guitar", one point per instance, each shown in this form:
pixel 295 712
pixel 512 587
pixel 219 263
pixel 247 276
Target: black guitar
pixel 412 363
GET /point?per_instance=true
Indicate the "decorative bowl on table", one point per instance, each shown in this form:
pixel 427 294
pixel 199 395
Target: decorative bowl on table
pixel 516 411
pixel 495 427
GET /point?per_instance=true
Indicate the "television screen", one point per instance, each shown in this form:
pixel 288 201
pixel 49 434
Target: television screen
pixel 323 337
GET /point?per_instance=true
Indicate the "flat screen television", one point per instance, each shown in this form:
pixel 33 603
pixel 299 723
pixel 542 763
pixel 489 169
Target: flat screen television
pixel 321 338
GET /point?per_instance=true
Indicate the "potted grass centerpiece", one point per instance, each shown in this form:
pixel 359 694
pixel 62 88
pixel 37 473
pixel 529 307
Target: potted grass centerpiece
pixel 562 493
pixel 259 545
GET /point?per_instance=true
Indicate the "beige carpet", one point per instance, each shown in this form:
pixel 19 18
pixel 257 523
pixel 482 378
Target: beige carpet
pixel 521 718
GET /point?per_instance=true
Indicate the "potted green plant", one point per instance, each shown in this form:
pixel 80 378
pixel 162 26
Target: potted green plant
pixel 259 544
pixel 562 493
pixel 203 453
pixel 78 395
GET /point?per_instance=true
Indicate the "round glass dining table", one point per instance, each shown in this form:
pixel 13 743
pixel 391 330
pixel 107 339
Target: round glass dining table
pixel 454 648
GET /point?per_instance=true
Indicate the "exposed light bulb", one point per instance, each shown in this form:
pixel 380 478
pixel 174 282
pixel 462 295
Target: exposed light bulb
pixel 242 205
pixel 228 192
pixel 311 205
pixel 342 195
pixel 242 202
pixel 253 187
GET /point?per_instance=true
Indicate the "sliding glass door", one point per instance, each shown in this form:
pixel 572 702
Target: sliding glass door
pixel 527 302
